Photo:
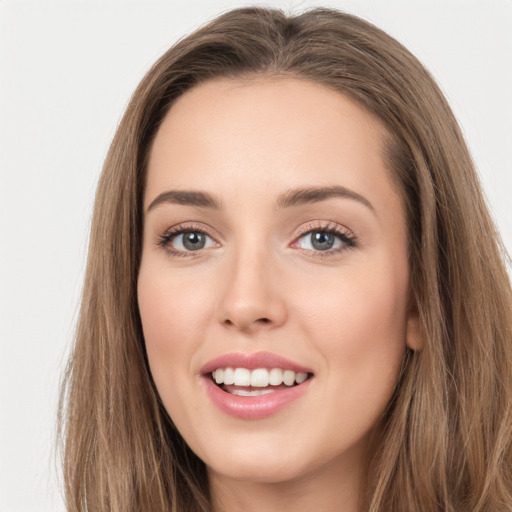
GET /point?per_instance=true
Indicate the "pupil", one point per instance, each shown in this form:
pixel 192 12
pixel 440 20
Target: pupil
pixel 193 241
pixel 322 241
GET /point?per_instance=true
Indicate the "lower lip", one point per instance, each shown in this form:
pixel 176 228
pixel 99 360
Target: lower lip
pixel 254 407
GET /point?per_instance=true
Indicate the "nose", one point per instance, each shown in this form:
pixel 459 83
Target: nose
pixel 251 299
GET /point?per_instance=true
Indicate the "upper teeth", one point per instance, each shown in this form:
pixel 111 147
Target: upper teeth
pixel 260 378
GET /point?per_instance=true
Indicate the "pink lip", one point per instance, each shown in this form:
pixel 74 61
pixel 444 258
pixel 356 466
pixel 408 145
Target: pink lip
pixel 253 361
pixel 253 407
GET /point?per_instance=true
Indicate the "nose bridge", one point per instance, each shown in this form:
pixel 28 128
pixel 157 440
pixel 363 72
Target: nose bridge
pixel 250 297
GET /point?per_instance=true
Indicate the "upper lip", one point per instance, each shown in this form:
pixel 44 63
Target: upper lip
pixel 253 361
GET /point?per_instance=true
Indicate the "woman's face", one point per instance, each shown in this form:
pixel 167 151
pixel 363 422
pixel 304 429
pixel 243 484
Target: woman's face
pixel 274 248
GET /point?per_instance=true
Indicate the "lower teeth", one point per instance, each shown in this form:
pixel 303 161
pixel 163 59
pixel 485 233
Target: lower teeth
pixel 254 392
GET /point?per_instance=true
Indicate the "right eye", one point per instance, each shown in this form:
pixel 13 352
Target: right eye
pixel 321 241
pixel 192 241
pixel 185 240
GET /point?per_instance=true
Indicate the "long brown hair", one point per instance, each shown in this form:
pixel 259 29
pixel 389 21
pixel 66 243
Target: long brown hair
pixel 446 437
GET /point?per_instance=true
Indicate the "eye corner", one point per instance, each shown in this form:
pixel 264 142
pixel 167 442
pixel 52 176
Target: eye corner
pixel 332 239
pixel 173 240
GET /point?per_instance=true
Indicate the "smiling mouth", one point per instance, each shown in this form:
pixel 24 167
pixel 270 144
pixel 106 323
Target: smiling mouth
pixel 257 382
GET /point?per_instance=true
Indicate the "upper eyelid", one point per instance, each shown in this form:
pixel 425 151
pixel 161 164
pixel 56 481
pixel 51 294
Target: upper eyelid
pixel 189 226
pixel 304 229
pixel 347 237
pixel 163 238
pixel 330 226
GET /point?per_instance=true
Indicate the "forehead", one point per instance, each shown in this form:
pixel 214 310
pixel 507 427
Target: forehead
pixel 268 135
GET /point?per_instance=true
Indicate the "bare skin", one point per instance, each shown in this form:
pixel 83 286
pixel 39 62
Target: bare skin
pixel 246 264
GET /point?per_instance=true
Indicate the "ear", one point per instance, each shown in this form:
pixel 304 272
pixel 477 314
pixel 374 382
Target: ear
pixel 415 336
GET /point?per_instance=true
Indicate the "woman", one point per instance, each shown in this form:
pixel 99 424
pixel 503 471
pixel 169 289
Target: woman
pixel 295 296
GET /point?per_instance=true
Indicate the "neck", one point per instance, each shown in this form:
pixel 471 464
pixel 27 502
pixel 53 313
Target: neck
pixel 325 489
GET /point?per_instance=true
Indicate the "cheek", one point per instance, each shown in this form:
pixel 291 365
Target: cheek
pixel 173 314
pixel 358 321
pixel 360 329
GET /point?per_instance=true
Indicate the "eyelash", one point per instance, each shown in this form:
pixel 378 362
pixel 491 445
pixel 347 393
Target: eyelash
pixel 347 238
pixel 172 233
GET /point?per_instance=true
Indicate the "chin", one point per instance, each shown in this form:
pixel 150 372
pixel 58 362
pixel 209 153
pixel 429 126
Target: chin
pixel 255 461
pixel 264 472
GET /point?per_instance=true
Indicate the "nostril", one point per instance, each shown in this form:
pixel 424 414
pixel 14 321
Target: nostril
pixel 247 326
pixel 264 320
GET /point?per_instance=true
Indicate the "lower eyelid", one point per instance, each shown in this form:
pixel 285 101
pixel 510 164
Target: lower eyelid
pixel 346 237
pixel 208 243
pixel 341 246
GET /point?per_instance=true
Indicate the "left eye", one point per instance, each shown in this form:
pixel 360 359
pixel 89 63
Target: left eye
pixel 191 241
pixel 320 241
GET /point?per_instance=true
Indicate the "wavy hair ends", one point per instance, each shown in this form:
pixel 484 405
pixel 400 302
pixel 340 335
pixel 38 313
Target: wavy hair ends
pixel 445 442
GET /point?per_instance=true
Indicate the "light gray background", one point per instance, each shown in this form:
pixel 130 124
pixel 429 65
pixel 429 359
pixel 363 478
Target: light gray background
pixel 66 73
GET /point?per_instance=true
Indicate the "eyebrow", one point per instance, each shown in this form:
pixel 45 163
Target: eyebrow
pixel 291 198
pixel 300 196
pixel 187 198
